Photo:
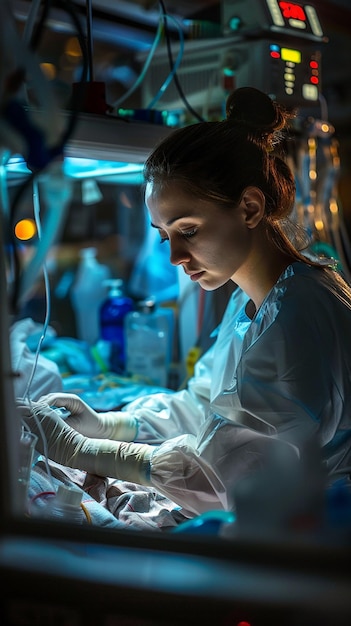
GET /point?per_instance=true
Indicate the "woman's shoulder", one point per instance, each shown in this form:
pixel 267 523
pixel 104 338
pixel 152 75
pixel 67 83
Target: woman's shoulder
pixel 322 278
pixel 316 295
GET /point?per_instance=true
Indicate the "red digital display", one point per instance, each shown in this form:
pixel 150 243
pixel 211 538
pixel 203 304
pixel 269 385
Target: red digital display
pixel 293 11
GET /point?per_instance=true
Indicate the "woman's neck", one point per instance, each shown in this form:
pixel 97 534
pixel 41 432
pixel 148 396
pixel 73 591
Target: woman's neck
pixel 260 274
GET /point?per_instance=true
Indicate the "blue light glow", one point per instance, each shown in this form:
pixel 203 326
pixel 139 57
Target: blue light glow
pixel 79 168
pixel 91 168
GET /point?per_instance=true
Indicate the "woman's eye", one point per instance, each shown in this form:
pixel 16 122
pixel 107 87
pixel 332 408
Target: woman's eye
pixel 187 234
pixel 190 233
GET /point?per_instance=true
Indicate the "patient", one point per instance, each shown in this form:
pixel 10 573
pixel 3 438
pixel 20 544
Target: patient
pixel 278 376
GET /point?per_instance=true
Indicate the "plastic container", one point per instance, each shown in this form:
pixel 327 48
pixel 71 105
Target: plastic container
pixel 27 455
pixel 149 338
pixel 66 505
pixel 112 313
pixel 88 292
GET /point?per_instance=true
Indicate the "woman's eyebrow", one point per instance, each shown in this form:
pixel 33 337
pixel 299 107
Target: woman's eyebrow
pixel 171 221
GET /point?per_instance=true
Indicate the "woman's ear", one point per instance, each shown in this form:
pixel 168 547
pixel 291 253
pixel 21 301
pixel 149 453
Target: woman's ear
pixel 253 204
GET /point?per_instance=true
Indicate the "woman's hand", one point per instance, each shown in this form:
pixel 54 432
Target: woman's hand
pixel 114 425
pixel 61 443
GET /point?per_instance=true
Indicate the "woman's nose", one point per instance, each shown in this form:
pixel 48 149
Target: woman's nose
pixel 178 253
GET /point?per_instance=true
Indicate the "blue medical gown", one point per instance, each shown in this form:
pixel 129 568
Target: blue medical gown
pixel 283 376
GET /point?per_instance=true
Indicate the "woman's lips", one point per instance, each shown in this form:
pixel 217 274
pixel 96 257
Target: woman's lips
pixel 196 276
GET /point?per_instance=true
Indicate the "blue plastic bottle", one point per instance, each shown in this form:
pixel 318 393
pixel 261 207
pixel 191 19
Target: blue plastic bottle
pixel 112 314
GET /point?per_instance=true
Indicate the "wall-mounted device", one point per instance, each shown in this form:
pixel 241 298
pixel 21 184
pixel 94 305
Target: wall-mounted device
pixel 268 44
pixel 288 71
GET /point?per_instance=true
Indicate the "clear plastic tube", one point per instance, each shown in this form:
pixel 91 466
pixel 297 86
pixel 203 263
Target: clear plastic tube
pixel 145 68
pixel 175 67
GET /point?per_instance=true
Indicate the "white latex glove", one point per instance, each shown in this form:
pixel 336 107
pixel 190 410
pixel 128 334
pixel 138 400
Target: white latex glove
pixel 115 459
pixel 114 425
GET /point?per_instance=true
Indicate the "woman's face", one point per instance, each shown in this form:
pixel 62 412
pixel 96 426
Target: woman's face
pixel 209 241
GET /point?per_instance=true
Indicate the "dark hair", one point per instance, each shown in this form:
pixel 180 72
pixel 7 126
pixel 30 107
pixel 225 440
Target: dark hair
pixel 218 160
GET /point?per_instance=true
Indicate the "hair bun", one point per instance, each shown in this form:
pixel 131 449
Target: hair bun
pixel 255 109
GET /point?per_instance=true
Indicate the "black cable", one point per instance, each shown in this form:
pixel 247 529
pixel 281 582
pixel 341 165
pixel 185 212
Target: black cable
pixel 78 97
pixel 39 28
pixel 76 100
pixel 90 51
pixel 171 64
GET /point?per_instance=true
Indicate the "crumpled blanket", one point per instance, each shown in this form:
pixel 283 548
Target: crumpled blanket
pixel 109 502
pixel 139 507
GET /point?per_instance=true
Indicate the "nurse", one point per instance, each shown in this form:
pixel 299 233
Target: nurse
pixel 279 372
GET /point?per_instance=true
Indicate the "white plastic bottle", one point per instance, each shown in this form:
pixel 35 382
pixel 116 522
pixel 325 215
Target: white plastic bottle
pixel 88 292
pixel 148 336
pixel 66 505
